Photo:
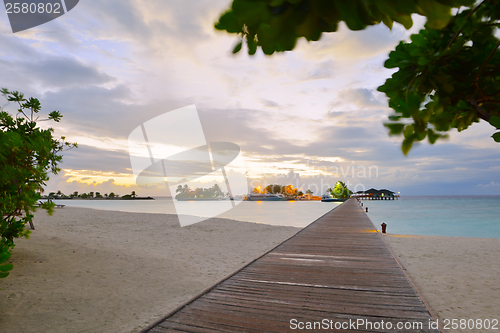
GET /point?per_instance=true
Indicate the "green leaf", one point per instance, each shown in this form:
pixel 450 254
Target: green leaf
pixel 229 22
pixel 431 136
pixel 395 129
pixel 237 48
pixel 418 40
pixel 495 121
pixel 6 267
pixel 438 15
pixel 55 115
pixel 252 45
pixel 387 21
pixel 406 146
pixel 423 61
pixel 276 3
pixel 405 20
pixel 496 137
pixel 354 14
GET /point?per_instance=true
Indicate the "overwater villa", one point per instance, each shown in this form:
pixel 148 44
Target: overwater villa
pixel 373 194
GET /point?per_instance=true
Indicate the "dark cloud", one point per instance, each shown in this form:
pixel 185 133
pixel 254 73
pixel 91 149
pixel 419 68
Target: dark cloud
pixel 94 159
pixel 14 48
pixel 58 72
pixel 25 68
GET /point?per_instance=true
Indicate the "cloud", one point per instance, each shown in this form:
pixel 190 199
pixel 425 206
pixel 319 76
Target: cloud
pixel 111 66
pixel 269 104
pixel 347 44
pixel 58 72
pixel 95 159
pixel 357 99
pixel 363 98
pixel 14 48
pixel 491 184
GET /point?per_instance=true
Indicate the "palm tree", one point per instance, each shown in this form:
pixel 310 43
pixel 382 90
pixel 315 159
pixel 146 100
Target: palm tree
pixel 217 192
pixel 341 191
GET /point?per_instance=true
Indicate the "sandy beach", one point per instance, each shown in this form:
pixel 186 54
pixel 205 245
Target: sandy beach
pixel 458 276
pixel 85 270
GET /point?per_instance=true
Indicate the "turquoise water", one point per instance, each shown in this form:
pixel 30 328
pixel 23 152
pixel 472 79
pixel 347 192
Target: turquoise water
pixel 465 216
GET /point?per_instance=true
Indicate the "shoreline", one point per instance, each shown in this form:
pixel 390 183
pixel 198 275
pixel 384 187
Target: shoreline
pixel 85 269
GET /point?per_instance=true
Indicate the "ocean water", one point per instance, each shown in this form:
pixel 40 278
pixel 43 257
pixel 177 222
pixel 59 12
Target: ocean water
pixel 283 213
pixel 464 216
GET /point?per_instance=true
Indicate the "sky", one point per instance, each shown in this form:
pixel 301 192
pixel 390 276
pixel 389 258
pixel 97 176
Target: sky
pixel 309 117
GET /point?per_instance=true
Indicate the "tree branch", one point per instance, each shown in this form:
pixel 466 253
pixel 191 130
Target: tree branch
pixel 481 113
pixel 466 19
pixel 492 53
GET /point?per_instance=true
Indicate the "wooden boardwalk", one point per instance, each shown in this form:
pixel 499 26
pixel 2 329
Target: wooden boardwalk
pixel 336 272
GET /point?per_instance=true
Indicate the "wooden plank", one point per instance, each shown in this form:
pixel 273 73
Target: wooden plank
pixel 338 268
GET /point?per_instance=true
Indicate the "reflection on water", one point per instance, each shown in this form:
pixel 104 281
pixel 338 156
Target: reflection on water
pixel 285 213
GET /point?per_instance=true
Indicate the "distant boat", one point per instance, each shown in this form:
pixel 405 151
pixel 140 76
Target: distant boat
pixel 329 198
pixel 332 200
pixel 265 197
pixel 200 199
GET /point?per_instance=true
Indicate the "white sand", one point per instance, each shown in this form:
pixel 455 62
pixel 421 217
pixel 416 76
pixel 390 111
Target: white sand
pixel 458 276
pixel 85 270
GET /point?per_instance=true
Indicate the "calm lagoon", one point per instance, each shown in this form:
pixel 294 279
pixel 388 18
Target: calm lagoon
pixel 466 216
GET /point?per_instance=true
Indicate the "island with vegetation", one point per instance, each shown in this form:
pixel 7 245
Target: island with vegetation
pixel 286 192
pixel 95 196
pixel 184 193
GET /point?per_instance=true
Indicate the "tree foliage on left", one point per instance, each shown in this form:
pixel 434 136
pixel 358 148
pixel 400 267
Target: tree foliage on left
pixel 27 154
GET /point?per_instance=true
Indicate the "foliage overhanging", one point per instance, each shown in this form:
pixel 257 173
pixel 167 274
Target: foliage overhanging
pixel 448 75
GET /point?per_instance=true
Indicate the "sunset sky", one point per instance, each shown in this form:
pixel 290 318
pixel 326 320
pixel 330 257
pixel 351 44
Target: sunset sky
pixel 312 114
